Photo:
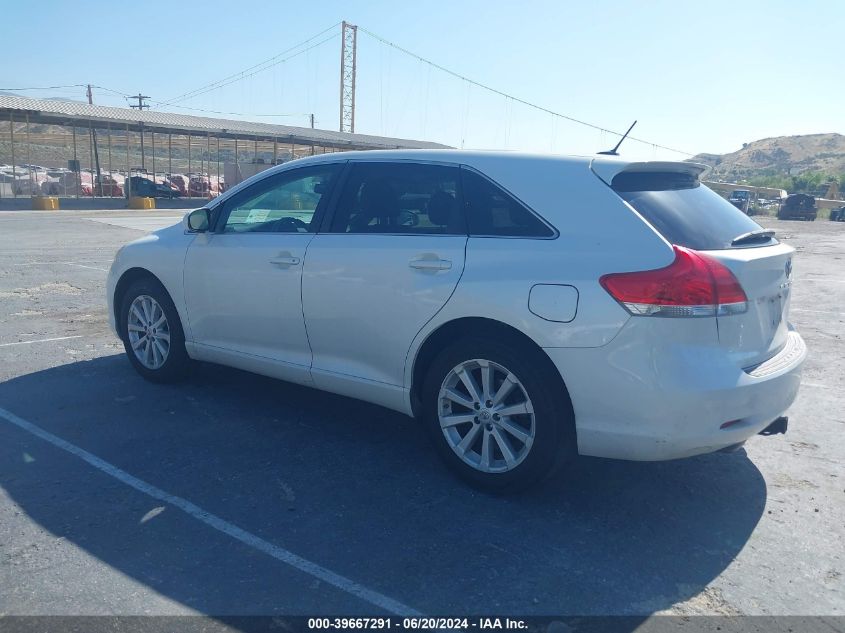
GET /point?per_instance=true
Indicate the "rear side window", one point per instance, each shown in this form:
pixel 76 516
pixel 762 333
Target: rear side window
pixel 684 211
pixel 492 211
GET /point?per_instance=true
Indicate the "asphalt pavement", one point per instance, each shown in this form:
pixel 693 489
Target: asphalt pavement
pixel 236 494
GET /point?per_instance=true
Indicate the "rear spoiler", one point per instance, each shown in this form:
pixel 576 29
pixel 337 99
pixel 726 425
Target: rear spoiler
pixel 608 168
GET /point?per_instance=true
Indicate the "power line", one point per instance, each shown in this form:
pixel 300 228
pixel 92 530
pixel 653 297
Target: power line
pixel 247 76
pixel 117 92
pixel 295 114
pixel 257 68
pixel 513 98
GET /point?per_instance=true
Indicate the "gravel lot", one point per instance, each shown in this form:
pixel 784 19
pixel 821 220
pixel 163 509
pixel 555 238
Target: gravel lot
pixel 288 472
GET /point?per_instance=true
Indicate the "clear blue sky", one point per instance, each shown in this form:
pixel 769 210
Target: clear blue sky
pixel 698 76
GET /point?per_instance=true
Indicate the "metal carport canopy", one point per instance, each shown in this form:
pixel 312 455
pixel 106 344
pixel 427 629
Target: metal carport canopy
pixel 73 113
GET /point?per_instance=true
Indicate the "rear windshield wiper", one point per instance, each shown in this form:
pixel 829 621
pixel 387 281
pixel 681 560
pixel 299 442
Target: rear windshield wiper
pixel 753 236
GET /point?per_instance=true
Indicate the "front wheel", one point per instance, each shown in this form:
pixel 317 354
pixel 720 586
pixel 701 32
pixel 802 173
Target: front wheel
pixel 497 417
pixel 152 332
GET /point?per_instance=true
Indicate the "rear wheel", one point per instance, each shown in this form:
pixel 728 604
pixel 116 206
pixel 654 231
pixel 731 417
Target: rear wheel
pixel 152 332
pixel 497 418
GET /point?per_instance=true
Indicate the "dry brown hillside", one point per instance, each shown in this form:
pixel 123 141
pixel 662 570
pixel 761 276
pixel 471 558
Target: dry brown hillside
pixel 782 155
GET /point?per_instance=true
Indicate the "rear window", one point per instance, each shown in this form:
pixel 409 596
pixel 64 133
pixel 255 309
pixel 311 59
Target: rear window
pixel 684 211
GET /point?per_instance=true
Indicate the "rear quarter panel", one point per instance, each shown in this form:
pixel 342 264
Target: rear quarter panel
pixel 598 234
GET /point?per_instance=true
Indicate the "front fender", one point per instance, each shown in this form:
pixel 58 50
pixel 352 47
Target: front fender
pixel 162 255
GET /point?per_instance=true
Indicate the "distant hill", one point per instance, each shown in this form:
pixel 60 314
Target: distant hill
pixel 15 94
pixel 779 156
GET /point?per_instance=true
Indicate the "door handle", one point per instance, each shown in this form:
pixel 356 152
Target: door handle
pixel 285 261
pixel 430 264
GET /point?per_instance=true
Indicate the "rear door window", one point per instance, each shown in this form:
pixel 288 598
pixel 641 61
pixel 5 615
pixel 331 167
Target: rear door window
pixel 400 198
pixel 686 212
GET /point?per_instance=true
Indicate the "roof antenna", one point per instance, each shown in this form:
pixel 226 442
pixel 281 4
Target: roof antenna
pixel 613 151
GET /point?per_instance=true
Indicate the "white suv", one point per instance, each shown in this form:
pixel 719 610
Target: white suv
pixel 526 308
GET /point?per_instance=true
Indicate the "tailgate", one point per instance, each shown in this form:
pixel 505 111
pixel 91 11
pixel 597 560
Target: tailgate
pixel 765 274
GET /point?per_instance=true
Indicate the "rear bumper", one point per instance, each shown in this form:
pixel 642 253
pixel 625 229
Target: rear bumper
pixel 638 399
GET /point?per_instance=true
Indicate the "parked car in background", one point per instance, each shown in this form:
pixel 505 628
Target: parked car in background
pixel 838 215
pixel 798 206
pixel 741 199
pixel 109 184
pixel 61 182
pixel 180 182
pixel 145 188
pixel 29 181
pixel 204 186
pixel 472 291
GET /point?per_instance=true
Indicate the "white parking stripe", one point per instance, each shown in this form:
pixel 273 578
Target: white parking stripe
pixel 140 223
pixel 838 281
pixel 41 340
pixel 817 311
pixel 105 270
pixel 312 569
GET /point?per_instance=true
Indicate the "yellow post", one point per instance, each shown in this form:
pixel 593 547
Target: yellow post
pixel 45 203
pixel 137 202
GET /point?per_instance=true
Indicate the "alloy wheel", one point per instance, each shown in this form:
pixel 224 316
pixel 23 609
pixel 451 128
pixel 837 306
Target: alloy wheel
pixel 486 416
pixel 149 332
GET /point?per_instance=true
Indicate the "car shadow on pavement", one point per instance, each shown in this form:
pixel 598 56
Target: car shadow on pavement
pixel 358 490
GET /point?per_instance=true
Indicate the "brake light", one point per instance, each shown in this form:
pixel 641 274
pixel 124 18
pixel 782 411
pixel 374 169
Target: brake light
pixel 693 285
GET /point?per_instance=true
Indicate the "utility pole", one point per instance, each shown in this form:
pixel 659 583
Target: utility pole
pixel 312 120
pixel 348 55
pixel 94 144
pixel 140 106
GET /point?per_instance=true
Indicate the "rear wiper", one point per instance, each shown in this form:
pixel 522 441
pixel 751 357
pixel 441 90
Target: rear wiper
pixel 753 236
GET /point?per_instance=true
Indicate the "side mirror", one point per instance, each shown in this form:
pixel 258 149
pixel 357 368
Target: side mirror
pixel 197 221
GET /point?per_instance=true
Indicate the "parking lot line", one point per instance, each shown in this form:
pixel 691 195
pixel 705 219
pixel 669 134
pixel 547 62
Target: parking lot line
pixel 817 311
pixel 41 340
pixel 837 281
pixel 105 270
pixel 312 569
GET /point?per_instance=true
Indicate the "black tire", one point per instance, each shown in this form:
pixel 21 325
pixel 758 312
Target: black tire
pixel 176 365
pixel 554 443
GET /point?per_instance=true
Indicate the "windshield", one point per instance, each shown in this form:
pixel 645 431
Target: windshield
pixel 684 211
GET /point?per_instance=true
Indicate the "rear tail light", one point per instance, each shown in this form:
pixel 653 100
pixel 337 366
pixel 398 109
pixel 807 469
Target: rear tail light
pixel 693 285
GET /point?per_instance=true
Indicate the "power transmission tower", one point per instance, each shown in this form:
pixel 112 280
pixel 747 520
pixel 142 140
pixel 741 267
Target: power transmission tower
pixel 140 105
pixel 348 50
